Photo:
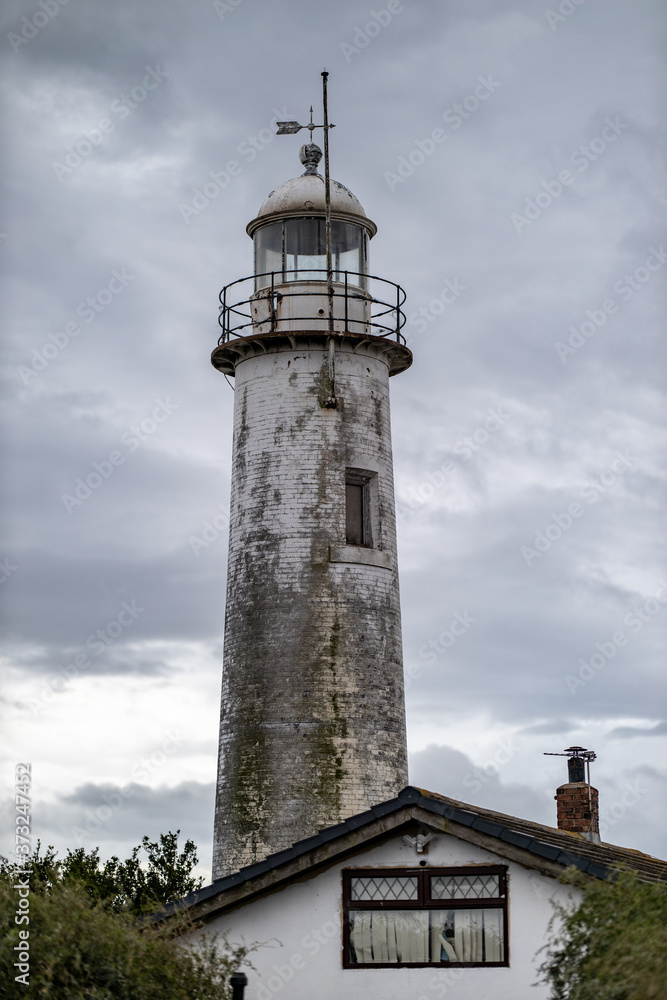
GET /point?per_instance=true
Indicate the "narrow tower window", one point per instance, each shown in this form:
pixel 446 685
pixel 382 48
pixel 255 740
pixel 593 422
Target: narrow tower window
pixel 357 508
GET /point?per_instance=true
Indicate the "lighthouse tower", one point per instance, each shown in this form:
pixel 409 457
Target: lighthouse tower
pixel 312 726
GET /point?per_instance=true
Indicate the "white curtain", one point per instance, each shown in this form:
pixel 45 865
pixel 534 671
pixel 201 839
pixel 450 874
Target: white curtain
pixel 493 935
pixel 412 936
pixel 390 936
pixel 387 936
pixel 469 935
pixel 477 936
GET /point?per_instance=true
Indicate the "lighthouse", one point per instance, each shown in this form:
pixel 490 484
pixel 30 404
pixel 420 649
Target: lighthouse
pixel 312 724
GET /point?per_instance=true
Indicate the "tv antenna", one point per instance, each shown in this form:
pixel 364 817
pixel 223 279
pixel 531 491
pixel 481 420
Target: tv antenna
pixel 578 757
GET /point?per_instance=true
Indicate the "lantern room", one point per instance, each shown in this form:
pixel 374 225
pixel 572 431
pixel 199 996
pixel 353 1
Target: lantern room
pixel 289 233
pixel 292 290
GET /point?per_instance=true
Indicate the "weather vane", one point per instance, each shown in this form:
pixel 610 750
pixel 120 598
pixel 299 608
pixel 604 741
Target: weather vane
pixel 291 128
pixel 310 162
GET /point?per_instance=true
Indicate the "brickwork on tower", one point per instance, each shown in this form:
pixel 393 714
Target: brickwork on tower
pixel 312 724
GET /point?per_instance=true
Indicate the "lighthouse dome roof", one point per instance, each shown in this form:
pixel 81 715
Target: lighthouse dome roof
pixel 306 195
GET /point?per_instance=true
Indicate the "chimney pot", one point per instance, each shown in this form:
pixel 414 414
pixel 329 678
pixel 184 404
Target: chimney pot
pixel 576 769
pixel 577 801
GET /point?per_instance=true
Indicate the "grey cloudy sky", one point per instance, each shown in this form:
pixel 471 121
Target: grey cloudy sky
pixel 511 156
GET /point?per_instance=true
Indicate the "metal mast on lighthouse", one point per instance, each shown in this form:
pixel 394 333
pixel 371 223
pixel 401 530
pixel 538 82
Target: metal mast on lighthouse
pixel 312 726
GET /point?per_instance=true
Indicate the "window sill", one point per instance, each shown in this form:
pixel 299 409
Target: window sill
pixel 359 555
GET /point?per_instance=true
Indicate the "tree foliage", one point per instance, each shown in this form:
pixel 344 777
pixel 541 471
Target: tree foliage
pixel 128 886
pixel 612 945
pixel 90 936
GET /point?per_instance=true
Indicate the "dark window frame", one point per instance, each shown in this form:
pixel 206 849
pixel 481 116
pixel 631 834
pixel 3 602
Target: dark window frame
pixel 357 477
pixel 425 902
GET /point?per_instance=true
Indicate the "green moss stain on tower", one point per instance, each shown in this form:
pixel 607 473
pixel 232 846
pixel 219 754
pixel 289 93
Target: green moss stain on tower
pixel 329 741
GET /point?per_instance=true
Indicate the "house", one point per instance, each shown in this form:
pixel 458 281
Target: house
pixel 419 897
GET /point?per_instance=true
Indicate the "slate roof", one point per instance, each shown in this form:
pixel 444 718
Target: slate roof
pixel 560 845
pixel 544 848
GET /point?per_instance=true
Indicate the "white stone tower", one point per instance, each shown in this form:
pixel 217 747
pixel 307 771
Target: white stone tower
pixel 312 725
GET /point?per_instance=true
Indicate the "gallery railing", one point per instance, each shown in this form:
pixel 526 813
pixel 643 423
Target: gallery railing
pixel 277 300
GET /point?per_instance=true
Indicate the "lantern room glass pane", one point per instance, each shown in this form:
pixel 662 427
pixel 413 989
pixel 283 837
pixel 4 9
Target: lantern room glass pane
pixel 296 250
pixel 347 245
pixel 305 250
pixel 268 252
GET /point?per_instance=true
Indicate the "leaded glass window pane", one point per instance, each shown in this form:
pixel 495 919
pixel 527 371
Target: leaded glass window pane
pixel 384 887
pixel 465 887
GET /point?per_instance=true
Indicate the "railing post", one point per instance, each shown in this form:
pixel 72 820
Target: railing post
pixel 225 333
pixel 346 302
pixel 273 306
pixel 398 313
pixel 238 982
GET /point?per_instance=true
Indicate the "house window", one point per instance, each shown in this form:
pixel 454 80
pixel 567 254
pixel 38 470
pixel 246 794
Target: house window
pixel 358 529
pixel 425 916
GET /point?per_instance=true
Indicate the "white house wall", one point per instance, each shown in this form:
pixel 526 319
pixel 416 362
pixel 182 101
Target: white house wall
pixel 299 931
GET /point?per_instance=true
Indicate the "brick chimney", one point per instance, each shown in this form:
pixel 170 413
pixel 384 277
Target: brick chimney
pixel 577 801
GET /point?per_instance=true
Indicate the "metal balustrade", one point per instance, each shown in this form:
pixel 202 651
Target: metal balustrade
pixel 281 304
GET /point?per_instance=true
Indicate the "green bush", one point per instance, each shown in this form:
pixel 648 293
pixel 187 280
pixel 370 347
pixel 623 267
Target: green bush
pixel 89 938
pixel 612 945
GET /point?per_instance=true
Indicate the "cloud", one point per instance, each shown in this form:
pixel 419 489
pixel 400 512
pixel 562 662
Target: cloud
pixel 449 772
pixel 548 728
pixel 629 732
pixel 115 817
